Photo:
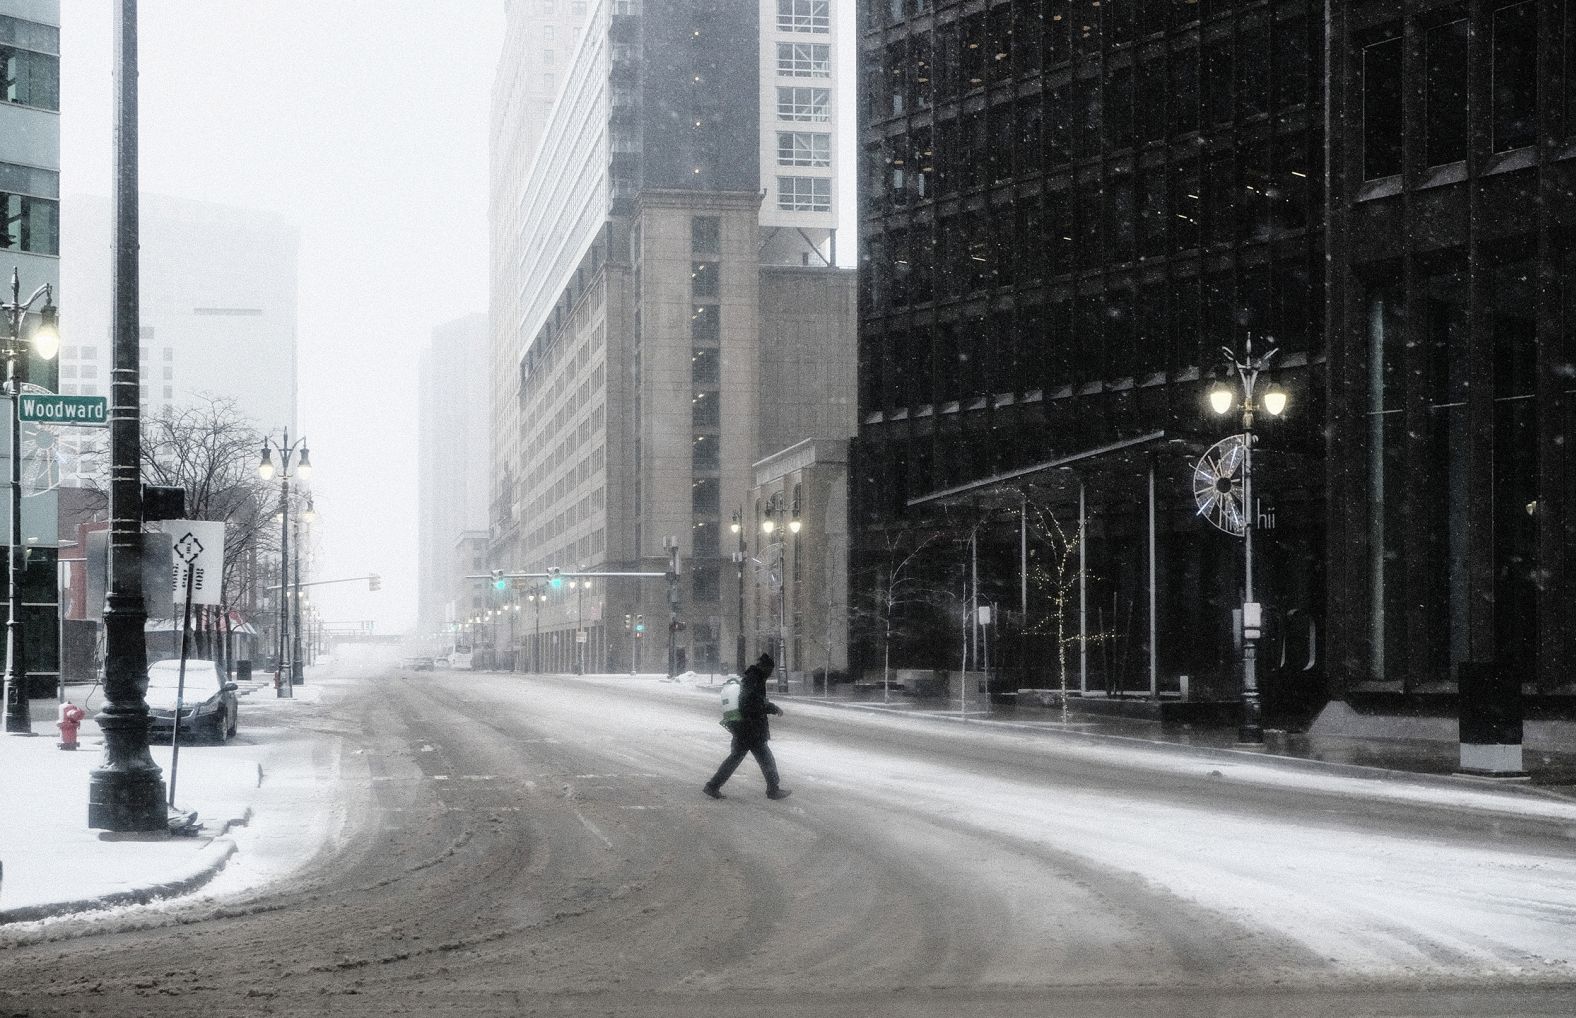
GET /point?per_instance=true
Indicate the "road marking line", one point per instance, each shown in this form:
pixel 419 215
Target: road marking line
pixel 592 828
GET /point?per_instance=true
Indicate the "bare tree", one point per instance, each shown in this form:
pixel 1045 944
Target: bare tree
pixel 210 451
pixel 1055 580
pixel 898 585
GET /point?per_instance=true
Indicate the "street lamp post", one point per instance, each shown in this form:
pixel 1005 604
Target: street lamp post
pixel 265 469
pixel 580 586
pixel 774 509
pixel 738 560
pixel 1223 399
pixel 46 343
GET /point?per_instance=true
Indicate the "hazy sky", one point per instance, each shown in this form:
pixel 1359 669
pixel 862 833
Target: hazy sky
pixel 363 122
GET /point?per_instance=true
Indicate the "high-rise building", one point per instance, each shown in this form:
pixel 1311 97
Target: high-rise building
pixel 452 461
pixel 30 246
pixel 218 306
pixel 1067 209
pixel 628 338
pixel 1452 474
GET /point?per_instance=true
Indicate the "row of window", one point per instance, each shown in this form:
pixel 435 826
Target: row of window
pixel 813 16
pixel 1154 92
pixel 804 194
pixel 804 60
pixel 1134 327
pixel 30 224
pixel 806 105
pixel 803 148
pixel 29 63
pixel 1509 113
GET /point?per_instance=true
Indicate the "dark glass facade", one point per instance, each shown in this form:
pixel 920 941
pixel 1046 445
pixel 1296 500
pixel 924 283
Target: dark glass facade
pixel 1452 314
pixel 1067 209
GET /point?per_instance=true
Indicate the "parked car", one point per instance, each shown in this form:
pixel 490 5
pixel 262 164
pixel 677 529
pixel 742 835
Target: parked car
pixel 208 706
pixel 420 664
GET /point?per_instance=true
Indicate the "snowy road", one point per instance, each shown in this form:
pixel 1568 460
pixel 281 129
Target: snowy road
pixel 513 845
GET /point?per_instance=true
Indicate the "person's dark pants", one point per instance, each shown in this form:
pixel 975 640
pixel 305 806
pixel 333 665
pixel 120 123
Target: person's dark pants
pixel 763 756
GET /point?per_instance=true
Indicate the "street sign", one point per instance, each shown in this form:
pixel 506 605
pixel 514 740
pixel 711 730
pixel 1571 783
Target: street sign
pixel 81 411
pixel 199 547
pixel 580 636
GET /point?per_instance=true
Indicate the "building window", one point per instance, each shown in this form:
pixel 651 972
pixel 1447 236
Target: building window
pixel 703 496
pixel 577 8
pixel 705 410
pixel 704 453
pixel 706 323
pixel 29 224
pixel 706 235
pixel 798 148
pixel 804 194
pixel 1382 109
pixel 804 16
pixel 29 79
pixel 1515 76
pixel 804 59
pixel 1445 102
pixel 705 367
pixel 703 279
pixel 812 105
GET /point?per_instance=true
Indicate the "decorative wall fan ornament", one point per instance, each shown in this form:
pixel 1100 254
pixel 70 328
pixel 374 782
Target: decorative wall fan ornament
pixel 1217 485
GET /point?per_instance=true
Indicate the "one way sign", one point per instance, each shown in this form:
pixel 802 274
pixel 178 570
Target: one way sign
pixel 198 547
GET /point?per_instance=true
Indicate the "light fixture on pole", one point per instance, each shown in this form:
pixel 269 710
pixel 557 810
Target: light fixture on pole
pixel 1223 399
pixel 739 556
pixel 297 453
pixel 45 343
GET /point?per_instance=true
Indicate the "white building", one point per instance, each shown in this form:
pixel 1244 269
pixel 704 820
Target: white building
pixel 218 306
pixel 803 103
pixel 452 461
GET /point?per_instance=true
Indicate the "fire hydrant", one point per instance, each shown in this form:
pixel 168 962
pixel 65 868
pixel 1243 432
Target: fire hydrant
pixel 70 718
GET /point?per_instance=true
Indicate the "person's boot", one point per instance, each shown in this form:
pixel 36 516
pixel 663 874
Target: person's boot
pixel 713 791
pixel 778 793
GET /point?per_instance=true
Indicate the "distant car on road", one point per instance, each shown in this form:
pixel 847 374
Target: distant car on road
pixel 420 664
pixel 208 706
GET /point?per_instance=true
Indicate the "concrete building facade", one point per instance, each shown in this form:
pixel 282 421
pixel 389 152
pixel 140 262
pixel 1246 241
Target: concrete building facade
pixel 629 327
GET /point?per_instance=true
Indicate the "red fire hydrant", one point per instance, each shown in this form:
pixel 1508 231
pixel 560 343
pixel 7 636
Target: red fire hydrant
pixel 70 719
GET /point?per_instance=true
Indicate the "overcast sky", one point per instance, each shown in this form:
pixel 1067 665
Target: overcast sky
pixel 364 122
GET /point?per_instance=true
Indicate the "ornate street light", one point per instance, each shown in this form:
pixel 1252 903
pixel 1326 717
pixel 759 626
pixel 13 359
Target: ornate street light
pixel 45 343
pixel 266 469
pixel 1223 399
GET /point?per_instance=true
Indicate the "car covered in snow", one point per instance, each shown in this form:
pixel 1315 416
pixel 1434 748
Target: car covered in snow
pixel 208 704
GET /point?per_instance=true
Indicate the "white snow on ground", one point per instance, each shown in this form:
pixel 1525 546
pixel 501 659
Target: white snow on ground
pixel 1370 902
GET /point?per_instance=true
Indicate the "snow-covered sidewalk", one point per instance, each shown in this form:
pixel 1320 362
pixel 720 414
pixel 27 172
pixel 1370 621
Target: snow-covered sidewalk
pixel 55 864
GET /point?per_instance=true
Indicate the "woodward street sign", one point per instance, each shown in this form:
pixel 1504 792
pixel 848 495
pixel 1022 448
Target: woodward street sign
pixel 82 411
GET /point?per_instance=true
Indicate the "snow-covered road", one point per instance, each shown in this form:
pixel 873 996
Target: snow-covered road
pixel 504 842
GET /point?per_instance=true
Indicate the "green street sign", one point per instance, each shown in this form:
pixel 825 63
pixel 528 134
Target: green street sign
pixel 79 411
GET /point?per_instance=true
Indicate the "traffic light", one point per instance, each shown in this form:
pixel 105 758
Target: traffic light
pixel 499 583
pixel 676 626
pixel 374 582
pixel 629 622
pixel 554 577
pixel 640 623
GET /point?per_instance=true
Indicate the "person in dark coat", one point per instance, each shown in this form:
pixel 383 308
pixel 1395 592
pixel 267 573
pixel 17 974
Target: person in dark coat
pixel 751 732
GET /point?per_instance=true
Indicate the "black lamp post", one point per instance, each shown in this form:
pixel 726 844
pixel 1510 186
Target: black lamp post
pixel 738 560
pixel 45 343
pixel 774 509
pixel 1223 399
pixel 303 469
pixel 126 789
pixel 537 596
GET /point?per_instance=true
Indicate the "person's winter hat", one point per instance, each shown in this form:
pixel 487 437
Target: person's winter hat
pixel 765 663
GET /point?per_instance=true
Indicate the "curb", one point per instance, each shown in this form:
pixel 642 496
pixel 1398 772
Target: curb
pixel 1221 754
pixel 211 858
